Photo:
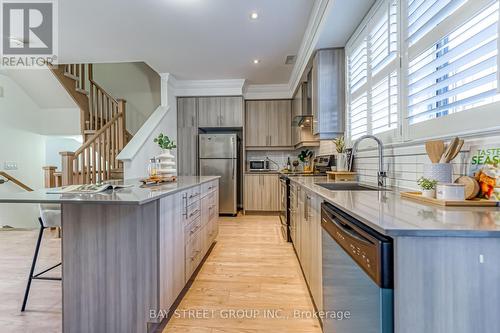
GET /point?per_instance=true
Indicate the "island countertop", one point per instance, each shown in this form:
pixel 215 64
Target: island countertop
pixel 389 214
pixel 135 195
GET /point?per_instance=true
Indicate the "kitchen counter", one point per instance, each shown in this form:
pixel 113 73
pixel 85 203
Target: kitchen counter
pixel 135 195
pixel 389 214
pixel 270 172
pixel 130 251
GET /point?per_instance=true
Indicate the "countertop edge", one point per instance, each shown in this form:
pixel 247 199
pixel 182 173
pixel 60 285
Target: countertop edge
pixel 466 233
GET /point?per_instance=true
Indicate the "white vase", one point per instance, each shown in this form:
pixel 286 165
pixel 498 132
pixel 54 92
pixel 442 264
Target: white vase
pixel 341 162
pixel 429 193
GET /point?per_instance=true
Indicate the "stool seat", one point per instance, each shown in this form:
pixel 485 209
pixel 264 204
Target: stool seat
pixel 51 215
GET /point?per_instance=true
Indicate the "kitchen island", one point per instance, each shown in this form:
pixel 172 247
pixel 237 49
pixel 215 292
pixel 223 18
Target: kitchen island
pixel 127 254
pixel 446 267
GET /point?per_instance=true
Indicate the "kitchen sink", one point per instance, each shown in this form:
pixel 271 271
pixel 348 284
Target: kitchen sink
pixel 351 187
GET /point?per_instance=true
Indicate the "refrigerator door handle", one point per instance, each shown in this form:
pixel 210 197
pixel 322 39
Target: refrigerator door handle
pixel 233 148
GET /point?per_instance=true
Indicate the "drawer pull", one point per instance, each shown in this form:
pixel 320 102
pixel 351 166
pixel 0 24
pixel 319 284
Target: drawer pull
pixel 194 195
pixel 194 230
pixel 194 213
pixel 195 254
pixel 211 187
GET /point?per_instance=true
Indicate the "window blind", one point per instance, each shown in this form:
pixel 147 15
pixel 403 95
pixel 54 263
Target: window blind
pixel 373 71
pixel 452 64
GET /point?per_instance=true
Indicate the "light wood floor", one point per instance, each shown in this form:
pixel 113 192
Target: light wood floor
pixel 250 269
pixel 43 312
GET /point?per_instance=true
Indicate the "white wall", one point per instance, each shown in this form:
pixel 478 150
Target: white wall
pixel 134 82
pixel 137 153
pixel 20 143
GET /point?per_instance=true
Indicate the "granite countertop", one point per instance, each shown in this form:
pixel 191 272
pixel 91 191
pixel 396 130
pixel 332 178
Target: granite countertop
pixel 135 195
pixel 389 214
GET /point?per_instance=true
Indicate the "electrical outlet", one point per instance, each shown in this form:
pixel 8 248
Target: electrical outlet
pixel 10 165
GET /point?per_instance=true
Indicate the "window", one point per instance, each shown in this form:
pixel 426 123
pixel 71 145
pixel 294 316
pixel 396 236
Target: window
pixel 459 69
pixel 373 70
pixel 412 62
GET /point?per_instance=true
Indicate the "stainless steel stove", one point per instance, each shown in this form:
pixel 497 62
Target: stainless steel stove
pixel 321 165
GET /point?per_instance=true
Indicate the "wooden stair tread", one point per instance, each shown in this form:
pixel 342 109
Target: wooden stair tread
pixel 81 91
pixel 71 76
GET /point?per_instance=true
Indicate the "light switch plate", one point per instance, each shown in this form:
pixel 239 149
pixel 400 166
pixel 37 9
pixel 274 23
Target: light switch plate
pixel 10 165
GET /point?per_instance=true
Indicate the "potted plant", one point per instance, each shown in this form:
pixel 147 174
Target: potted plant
pixel 164 142
pixel 166 161
pixel 428 187
pixel 341 154
pixel 305 157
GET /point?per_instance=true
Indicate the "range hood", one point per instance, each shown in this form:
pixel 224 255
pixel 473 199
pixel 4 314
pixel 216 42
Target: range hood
pixel 304 115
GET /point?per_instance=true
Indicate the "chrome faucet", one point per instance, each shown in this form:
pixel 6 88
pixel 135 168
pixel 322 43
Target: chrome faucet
pixel 381 175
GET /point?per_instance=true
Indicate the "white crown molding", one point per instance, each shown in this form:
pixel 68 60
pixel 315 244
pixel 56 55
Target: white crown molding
pixel 309 41
pixel 233 87
pixel 267 91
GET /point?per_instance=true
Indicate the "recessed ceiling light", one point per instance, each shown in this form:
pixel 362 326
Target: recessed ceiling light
pixel 254 15
pixel 256 61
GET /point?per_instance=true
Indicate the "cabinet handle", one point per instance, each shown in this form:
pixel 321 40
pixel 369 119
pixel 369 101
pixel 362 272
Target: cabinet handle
pixel 195 254
pixel 192 231
pixel 194 195
pixel 194 213
pixel 192 121
pixel 221 120
pixel 184 197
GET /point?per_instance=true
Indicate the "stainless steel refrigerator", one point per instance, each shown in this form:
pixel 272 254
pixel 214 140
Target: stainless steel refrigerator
pixel 219 157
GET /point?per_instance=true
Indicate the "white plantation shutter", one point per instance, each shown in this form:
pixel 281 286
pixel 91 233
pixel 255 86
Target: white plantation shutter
pixel 373 71
pixel 452 56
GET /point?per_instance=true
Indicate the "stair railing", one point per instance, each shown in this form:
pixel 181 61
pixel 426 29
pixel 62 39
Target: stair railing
pixel 95 160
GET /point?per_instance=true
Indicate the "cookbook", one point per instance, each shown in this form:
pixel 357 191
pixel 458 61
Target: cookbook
pixel 484 166
pixel 87 188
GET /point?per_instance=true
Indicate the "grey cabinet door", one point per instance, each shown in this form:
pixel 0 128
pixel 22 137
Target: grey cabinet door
pixel 280 123
pixel 187 136
pixel 209 111
pixel 231 111
pixel 256 124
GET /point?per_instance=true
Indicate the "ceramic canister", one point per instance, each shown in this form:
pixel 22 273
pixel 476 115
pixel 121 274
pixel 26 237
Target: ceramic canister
pixel 442 172
pixel 450 191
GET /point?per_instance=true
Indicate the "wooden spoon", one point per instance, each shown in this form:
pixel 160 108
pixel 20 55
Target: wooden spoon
pixel 457 149
pixel 435 150
pixel 449 151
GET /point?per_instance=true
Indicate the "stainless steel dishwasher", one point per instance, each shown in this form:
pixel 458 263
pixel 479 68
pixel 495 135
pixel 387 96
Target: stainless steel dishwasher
pixel 357 275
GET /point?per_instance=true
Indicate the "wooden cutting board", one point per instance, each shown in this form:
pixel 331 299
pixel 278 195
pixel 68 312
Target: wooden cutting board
pixel 417 196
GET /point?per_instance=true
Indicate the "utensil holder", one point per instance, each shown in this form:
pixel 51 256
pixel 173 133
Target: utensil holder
pixel 442 172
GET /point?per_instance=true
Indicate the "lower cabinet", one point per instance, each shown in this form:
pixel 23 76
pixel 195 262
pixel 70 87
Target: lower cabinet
pixel 262 192
pixel 188 226
pixel 306 218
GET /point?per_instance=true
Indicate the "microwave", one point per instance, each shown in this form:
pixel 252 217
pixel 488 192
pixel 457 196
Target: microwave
pixel 259 165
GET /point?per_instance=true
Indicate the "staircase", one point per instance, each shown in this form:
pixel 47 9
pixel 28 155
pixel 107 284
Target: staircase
pixel 102 121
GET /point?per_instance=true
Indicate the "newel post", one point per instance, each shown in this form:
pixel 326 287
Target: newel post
pixel 49 179
pixel 122 124
pixel 67 167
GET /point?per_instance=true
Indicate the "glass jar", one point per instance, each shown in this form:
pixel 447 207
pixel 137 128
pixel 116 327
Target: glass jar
pixel 152 168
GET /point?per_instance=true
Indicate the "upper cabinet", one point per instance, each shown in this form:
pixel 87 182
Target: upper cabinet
pixel 187 136
pixel 268 123
pixel 328 93
pixel 220 111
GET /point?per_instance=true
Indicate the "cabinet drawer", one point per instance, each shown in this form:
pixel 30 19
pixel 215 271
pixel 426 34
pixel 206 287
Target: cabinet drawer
pixel 192 195
pixel 191 212
pixel 209 187
pixel 194 253
pixel 192 228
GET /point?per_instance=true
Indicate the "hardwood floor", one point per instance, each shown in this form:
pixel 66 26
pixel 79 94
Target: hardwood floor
pixel 43 312
pixel 252 271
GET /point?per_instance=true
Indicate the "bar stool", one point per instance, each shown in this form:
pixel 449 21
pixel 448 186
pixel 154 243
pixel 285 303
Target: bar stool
pixel 50 216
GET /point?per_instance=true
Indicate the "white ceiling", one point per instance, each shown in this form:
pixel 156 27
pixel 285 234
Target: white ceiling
pixel 192 39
